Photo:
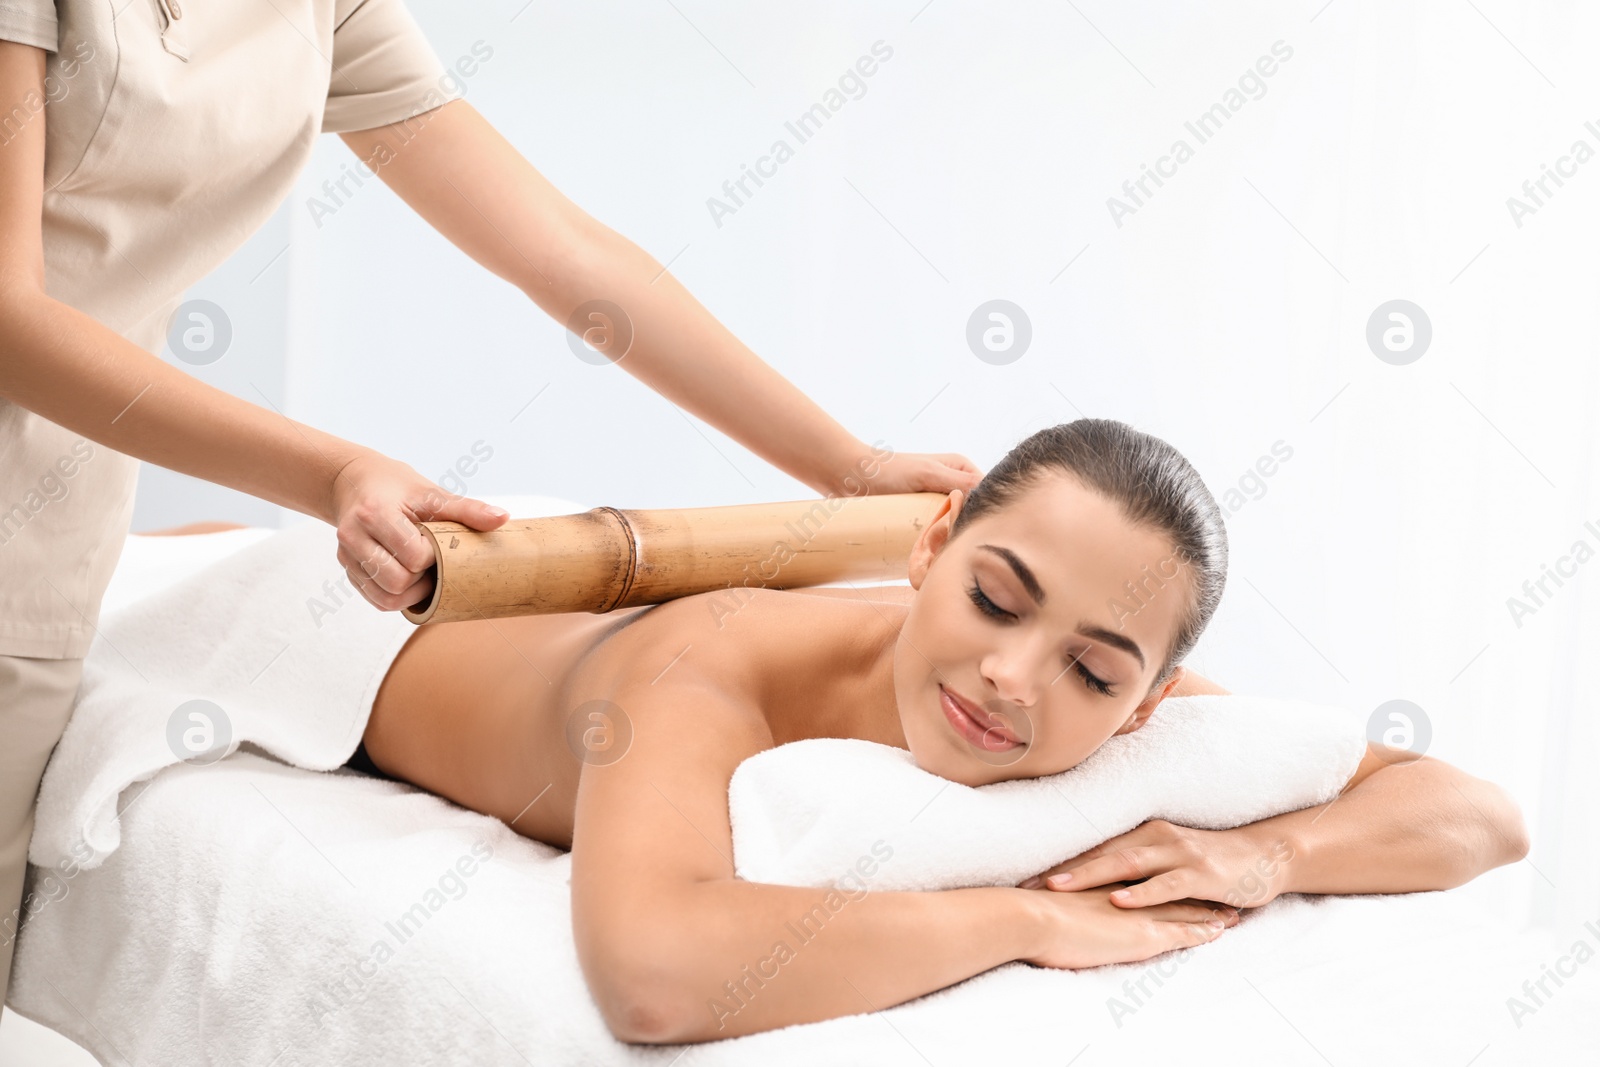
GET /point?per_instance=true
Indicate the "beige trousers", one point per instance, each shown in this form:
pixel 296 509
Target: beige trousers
pixel 36 697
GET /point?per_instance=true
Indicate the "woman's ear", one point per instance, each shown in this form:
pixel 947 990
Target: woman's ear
pixel 1147 707
pixel 934 536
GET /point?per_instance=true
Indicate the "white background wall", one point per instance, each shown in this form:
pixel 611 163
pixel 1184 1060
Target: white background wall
pixel 1227 314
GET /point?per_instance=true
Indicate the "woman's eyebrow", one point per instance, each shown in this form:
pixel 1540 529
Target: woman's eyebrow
pixel 1024 574
pixel 1116 640
pixel 1029 582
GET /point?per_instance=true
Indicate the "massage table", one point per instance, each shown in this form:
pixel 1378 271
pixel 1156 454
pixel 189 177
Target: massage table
pixel 258 913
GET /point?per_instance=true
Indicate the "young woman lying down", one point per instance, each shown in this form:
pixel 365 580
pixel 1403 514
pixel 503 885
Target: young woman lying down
pixel 1047 612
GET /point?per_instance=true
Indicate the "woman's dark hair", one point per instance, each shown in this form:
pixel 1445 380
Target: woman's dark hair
pixel 1153 483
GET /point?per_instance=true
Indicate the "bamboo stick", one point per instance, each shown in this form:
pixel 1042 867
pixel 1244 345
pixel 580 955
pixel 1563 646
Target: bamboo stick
pixel 606 558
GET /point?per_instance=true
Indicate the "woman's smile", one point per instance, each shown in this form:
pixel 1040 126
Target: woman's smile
pixel 983 731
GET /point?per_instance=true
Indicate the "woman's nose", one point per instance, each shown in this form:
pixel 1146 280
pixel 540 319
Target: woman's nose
pixel 1016 673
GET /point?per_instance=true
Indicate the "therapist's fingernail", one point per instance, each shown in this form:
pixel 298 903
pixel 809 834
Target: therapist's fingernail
pixel 1058 880
pixel 1121 894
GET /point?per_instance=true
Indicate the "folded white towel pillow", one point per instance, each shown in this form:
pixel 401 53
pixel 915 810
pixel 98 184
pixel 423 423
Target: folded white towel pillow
pixel 828 811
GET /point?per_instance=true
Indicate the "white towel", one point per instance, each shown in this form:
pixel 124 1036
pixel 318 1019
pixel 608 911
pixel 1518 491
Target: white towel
pixel 270 644
pixel 807 812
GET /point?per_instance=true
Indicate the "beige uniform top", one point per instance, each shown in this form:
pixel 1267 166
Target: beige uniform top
pixel 174 129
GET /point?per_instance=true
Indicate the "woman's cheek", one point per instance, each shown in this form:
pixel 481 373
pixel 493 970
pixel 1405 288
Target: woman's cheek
pixel 1061 749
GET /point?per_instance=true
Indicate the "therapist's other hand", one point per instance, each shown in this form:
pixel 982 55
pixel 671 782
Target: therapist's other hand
pixel 911 472
pixel 1245 867
pixel 376 503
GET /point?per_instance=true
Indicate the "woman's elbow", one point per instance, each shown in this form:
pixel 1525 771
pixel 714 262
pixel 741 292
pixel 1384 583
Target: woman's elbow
pixel 640 996
pixel 639 1017
pixel 1513 830
pixel 1499 837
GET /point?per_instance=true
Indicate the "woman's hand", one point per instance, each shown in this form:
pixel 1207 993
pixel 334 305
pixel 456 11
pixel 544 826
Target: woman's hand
pixel 1244 867
pixel 376 502
pixel 1087 930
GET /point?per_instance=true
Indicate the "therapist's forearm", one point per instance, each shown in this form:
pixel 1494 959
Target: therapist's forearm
pixel 682 352
pixel 1406 828
pixel 472 185
pixel 79 373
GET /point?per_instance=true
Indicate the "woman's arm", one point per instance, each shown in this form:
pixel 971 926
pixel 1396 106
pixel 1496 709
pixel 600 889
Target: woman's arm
pixel 675 948
pixel 1193 684
pixel 1402 824
pixel 473 186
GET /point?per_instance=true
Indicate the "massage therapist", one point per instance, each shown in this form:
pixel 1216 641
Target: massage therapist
pixel 141 142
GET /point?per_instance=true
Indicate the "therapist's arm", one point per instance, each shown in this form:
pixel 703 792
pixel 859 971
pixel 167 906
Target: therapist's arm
pixel 472 185
pixel 78 373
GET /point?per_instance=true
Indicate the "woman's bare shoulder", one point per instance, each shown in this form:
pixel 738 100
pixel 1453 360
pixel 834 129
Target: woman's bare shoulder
pixel 1193 684
pixel 743 640
pixel 899 593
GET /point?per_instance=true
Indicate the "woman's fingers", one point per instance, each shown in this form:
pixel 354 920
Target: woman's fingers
pixel 1126 864
pixel 1196 913
pixel 1158 889
pixel 1093 935
pixel 1186 935
pixel 1162 937
pixel 1168 936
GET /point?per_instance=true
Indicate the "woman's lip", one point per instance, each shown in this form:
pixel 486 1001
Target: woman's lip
pixel 978 728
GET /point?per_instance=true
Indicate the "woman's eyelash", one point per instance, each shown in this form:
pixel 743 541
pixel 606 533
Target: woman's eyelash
pixel 985 605
pixel 990 608
pixel 1094 683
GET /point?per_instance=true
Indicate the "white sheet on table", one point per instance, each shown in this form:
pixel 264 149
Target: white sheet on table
pixel 259 886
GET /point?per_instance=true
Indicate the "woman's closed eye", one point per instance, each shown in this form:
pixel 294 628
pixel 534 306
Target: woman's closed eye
pixel 985 605
pixel 976 594
pixel 1103 688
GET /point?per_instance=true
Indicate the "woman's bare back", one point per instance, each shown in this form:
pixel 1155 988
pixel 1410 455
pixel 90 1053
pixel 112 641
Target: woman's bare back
pixel 500 716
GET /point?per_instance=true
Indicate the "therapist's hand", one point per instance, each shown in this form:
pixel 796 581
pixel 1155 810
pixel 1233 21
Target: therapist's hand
pixel 376 503
pixel 907 472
